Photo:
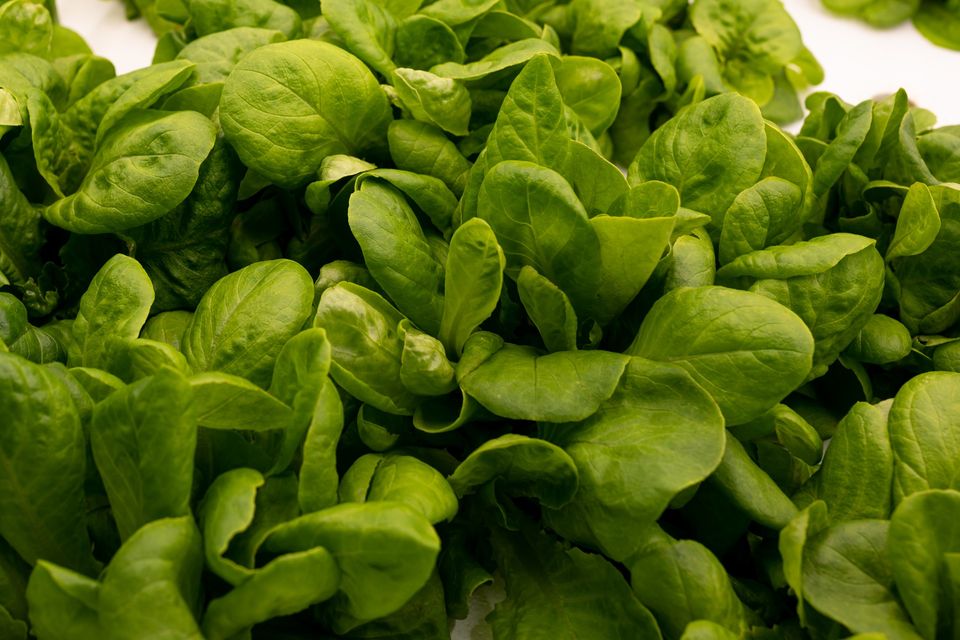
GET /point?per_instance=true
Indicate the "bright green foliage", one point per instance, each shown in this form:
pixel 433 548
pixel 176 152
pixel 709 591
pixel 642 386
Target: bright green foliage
pixel 341 311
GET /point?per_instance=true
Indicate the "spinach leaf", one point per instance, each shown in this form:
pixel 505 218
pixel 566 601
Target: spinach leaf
pixel 711 331
pixel 923 427
pixel 710 152
pixel 847 576
pixel 245 318
pixel 143 439
pixel 276 88
pixel 42 447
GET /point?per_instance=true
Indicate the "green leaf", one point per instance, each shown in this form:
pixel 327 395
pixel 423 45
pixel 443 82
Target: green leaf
pixel 520 466
pixel 293 581
pixel 143 439
pixel 882 340
pixel 924 422
pixel 43 467
pixel 244 319
pixel 397 252
pixel 518 383
pixel 429 194
pixel 601 24
pixel 746 351
pixel 758 33
pixel 318 471
pixel 363 329
pixel 692 262
pixel 114 308
pixel 847 577
pixel 630 249
pixel 423 42
pixel 456 12
pixel 64 605
pixel 917 225
pixel 153 581
pixel 706 630
pixel 167 327
pixel 792 546
pixel 300 380
pixel 472 282
pixel 531 125
pixel 681 582
pixel 226 511
pixel 25 27
pixel 929 282
pixel 224 401
pixel 275 88
pixel 183 251
pixel 750 488
pixel 764 215
pixel 424 368
pixel 592 89
pixel 839 153
pixel 156 156
pixel 20 237
pixel 553 592
pixel 540 222
pixel 424 149
pixel 922 533
pixel 710 152
pixel 549 309
pixel 660 434
pixel 386 551
pixel 367 29
pixel 400 478
pixel 212 16
pixel 435 100
pixel 216 55
pixel 813 279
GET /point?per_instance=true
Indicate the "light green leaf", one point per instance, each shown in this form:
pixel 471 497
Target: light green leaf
pixel 925 434
pixel 847 577
pixel 434 100
pixel 152 583
pixel 386 552
pixel 276 88
pixel 155 156
pixel 114 308
pixel 244 319
pixel 660 433
pixel 710 152
pixel 143 439
pixel 42 461
pixel 397 252
pixel 559 387
pixel 472 282
pixel 549 309
pixel 746 351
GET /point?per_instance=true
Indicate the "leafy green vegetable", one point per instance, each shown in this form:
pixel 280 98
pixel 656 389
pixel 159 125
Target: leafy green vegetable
pixel 939 22
pixel 342 311
pixel 713 331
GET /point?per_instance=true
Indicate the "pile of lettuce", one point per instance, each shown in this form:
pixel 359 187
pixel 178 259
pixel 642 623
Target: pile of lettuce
pixel 321 323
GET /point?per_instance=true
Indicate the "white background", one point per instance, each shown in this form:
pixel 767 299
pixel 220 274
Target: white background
pixel 860 62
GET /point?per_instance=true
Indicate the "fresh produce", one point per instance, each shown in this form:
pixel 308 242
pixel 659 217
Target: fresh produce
pixel 937 20
pixel 322 323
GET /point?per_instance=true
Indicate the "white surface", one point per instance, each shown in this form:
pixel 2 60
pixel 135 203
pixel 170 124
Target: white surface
pixel 860 62
pixel 104 25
